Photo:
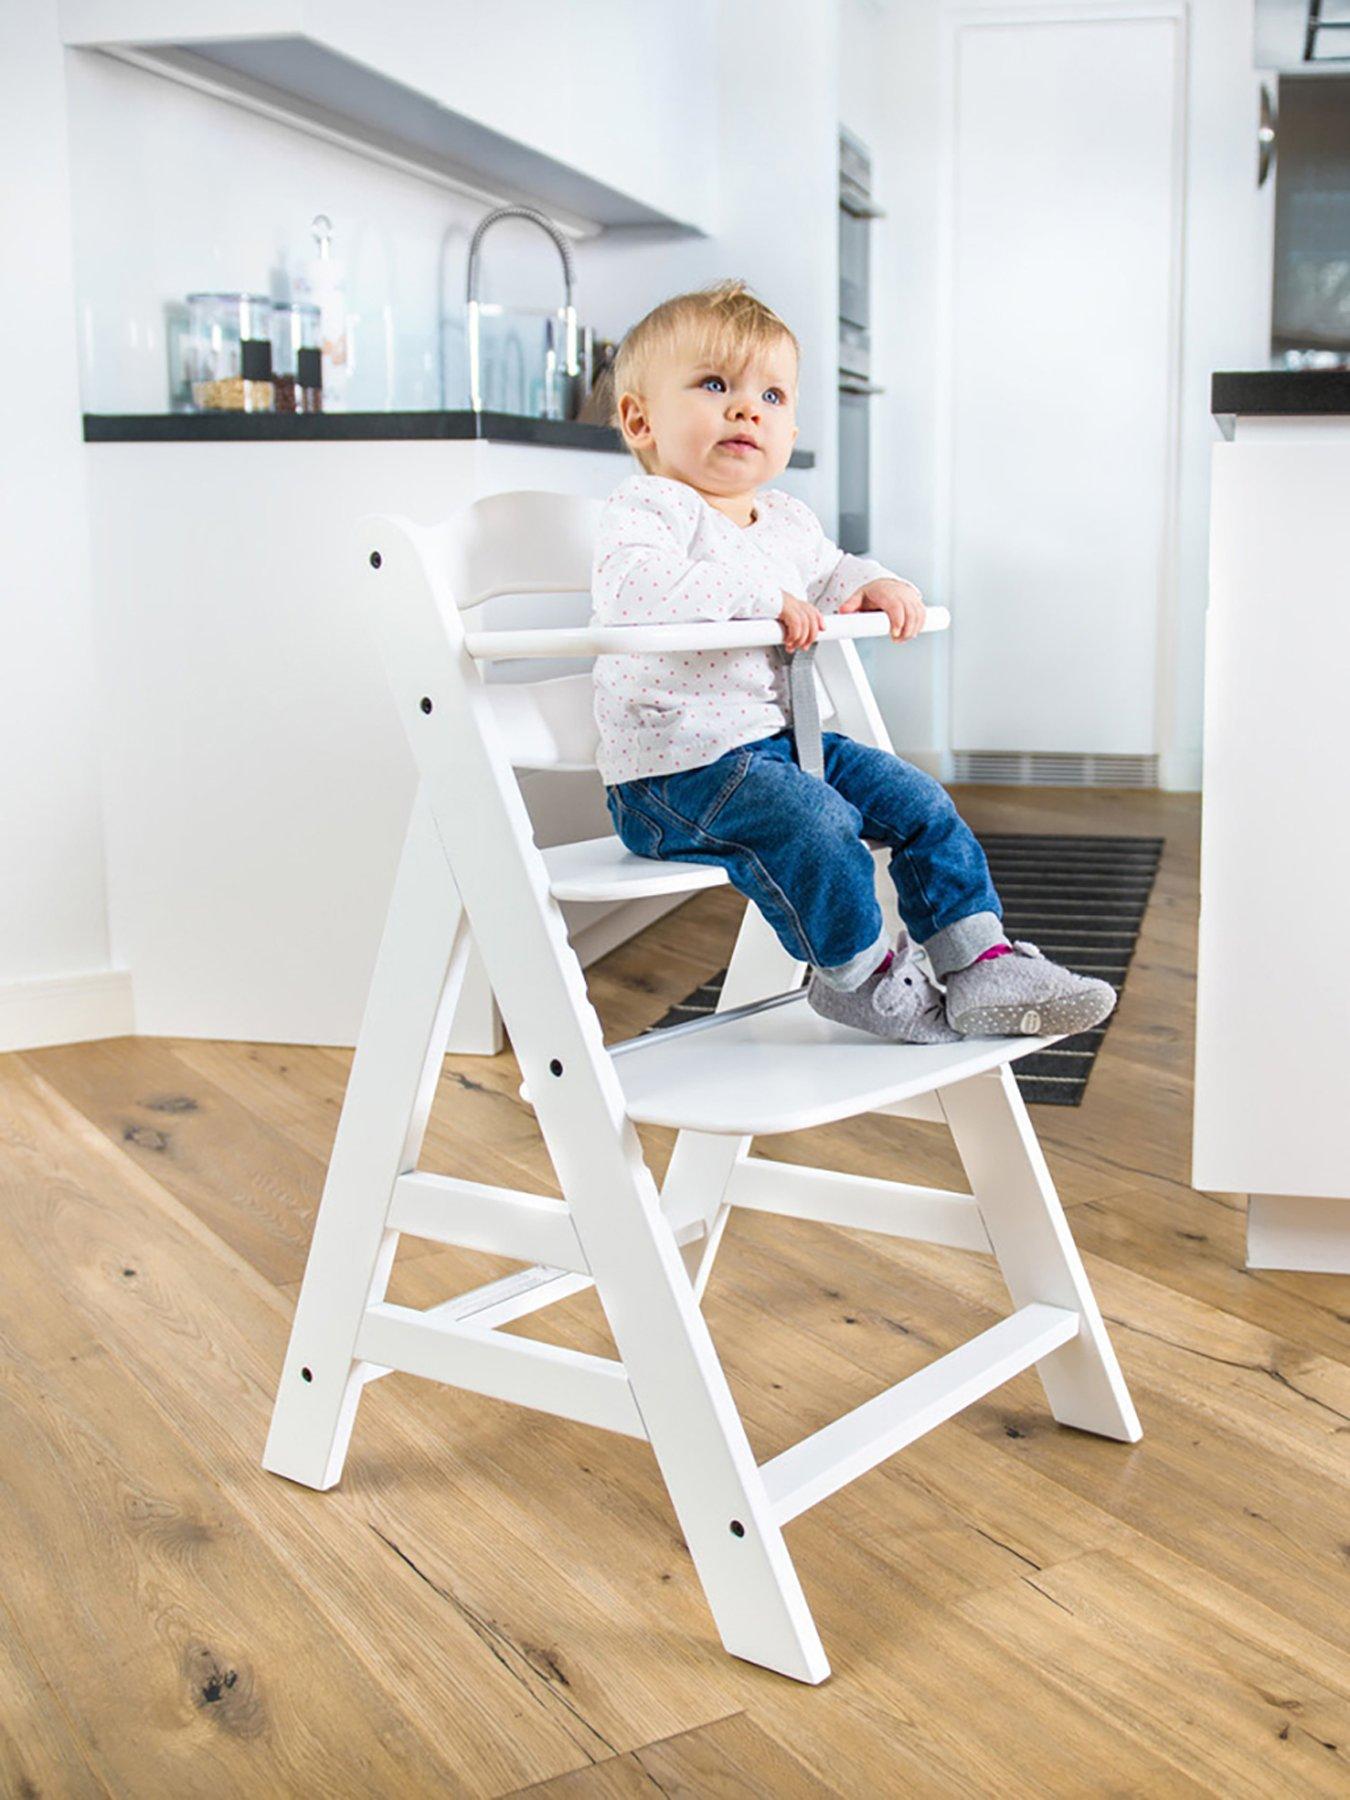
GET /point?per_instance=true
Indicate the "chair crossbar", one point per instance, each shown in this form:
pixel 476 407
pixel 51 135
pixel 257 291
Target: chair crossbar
pixel 533 1227
pixel 512 1296
pixel 841 1452
pixel 572 1384
pixel 859 1202
pixel 523 1291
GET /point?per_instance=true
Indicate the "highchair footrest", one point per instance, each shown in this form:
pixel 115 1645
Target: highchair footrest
pixel 781 1067
pixel 778 1066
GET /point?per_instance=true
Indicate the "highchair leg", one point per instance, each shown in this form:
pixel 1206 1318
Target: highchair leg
pixel 701 1164
pixel 1034 1248
pixel 390 1091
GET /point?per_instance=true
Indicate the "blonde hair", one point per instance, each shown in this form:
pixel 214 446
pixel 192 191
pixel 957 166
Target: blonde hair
pixel 724 324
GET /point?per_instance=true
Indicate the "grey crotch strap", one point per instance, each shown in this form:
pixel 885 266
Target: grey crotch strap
pixel 805 708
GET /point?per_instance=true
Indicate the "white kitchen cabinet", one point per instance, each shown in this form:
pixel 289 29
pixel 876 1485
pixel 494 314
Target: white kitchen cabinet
pixel 1272 1051
pixel 257 782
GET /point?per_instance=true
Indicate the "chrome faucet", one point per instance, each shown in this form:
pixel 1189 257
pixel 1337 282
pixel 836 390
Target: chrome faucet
pixel 571 366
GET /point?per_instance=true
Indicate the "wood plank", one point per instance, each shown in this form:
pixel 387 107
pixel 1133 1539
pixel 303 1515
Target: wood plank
pixel 250 1184
pixel 1160 1660
pixel 203 1334
pixel 1195 1243
pixel 730 1756
pixel 135 1575
pixel 42 1750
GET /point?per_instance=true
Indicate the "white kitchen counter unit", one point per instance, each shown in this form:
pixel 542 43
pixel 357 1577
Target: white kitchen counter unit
pixel 1272 1063
pixel 257 780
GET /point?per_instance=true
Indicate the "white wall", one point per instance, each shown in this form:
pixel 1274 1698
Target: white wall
pixel 53 926
pixel 776 120
pixel 895 52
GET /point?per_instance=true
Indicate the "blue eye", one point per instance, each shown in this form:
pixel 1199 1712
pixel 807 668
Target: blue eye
pixel 777 391
pixel 707 378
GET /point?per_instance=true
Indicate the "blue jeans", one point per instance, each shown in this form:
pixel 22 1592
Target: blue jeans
pixel 793 844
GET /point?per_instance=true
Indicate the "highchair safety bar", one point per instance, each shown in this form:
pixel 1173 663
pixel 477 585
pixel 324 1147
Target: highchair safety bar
pixel 710 1023
pixel 630 640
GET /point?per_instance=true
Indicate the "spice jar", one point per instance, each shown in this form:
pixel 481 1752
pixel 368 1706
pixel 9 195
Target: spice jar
pixel 297 359
pixel 229 352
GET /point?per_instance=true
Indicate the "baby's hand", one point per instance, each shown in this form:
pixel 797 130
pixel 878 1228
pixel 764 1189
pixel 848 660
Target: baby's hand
pixel 899 600
pixel 801 622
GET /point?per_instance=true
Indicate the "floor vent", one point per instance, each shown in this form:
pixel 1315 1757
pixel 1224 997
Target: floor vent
pixel 1052 768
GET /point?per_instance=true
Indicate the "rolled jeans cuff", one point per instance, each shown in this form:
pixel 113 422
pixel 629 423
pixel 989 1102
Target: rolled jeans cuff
pixel 962 941
pixel 852 974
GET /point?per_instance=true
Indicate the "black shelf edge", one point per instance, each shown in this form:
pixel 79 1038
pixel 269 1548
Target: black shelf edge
pixel 1301 393
pixel 348 427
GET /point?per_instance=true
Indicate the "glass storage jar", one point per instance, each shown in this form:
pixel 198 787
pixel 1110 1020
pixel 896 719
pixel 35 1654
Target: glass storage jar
pixel 297 357
pixel 229 352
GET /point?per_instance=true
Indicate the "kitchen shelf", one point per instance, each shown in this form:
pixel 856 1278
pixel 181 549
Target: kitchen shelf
pixel 233 427
pixel 280 58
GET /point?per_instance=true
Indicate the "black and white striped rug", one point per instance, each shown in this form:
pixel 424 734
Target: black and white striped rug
pixel 1078 899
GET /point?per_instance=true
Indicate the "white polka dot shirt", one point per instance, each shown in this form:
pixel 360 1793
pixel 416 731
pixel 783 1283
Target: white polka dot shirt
pixel 662 555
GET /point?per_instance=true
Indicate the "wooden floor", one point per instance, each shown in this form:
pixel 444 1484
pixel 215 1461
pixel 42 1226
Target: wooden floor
pixel 494 1599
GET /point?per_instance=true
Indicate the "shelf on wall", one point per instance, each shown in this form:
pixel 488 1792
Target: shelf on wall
pixel 308 84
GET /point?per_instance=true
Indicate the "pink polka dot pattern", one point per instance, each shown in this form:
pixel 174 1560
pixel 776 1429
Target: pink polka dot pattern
pixel 664 555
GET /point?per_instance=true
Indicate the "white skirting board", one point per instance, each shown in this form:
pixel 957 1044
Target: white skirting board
pixel 1298 1231
pixel 66 1009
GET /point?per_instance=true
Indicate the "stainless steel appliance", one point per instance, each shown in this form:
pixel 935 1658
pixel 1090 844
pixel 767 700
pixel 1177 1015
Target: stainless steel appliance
pixel 857 210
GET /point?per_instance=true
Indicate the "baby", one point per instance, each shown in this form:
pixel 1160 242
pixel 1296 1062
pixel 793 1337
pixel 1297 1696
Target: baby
pixel 697 754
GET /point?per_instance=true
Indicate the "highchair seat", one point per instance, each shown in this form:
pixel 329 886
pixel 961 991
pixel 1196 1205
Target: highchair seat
pixel 604 869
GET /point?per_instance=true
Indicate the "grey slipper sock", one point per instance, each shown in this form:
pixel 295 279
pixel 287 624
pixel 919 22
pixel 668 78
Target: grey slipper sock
pixel 1024 994
pixel 901 1003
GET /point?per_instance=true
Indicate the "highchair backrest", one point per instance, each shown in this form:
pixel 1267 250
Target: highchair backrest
pixel 537 542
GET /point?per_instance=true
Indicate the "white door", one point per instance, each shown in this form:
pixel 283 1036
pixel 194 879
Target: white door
pixel 1063 289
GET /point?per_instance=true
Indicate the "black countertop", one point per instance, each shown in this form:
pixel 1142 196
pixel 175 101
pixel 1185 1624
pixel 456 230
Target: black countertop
pixel 1300 392
pixel 252 428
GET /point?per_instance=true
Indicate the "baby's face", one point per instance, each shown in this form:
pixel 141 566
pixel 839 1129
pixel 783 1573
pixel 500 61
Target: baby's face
pixel 724 431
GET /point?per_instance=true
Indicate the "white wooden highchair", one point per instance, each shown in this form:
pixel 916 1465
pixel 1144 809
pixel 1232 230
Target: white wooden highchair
pixel 763 1063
